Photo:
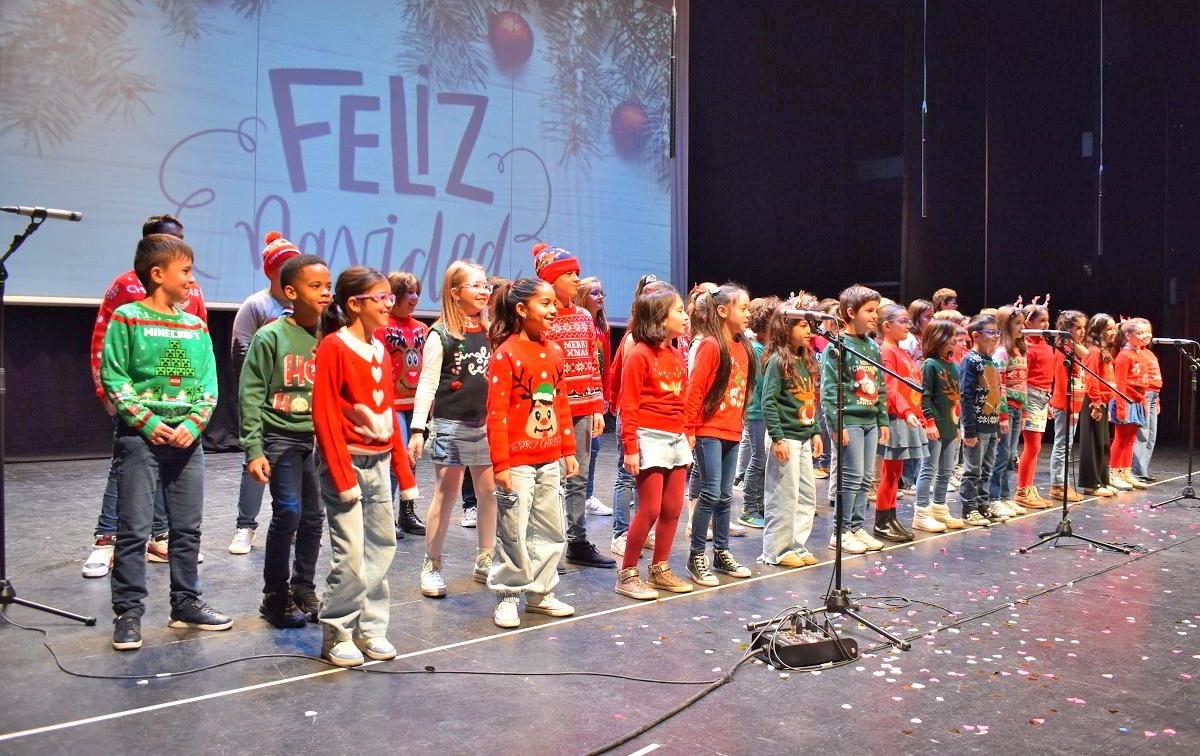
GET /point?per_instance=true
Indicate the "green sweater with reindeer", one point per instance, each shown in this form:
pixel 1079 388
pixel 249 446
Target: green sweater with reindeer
pixel 159 368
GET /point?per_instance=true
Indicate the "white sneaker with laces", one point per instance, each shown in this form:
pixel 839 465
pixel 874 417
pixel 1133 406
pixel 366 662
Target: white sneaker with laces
pixel 871 542
pixel 506 615
pixel 432 583
pixel 850 543
pixel 546 603
pixel 243 541
pixel 618 545
pixel 596 507
pixel 470 517
pixel 1015 508
pixel 100 561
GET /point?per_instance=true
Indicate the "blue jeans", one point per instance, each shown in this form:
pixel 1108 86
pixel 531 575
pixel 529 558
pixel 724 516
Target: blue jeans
pixel 826 443
pixel 591 484
pixel 143 469
pixel 756 469
pixel 1002 481
pixel 403 418
pixel 743 461
pixel 858 465
pixel 936 468
pixel 250 496
pixel 979 461
pixel 623 488
pixel 716 462
pixel 296 511
pixel 1147 435
pixel 575 487
pixel 1058 453
pixel 106 524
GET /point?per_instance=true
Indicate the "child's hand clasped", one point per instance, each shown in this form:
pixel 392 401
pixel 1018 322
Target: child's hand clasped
pixel 260 469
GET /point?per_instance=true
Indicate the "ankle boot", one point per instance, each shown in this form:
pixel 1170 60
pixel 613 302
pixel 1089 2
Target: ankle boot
pixel 923 519
pixel 888 528
pixel 407 520
pixel 941 513
pixel 279 609
pixel 1127 476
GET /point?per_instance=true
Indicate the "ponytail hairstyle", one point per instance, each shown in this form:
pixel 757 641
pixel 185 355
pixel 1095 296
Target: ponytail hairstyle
pixel 452 315
pixel 890 312
pixel 353 281
pixel 1095 335
pixel 507 321
pixel 643 283
pixel 778 338
pixel 650 311
pixel 585 289
pixel 939 333
pixel 708 322
pixel 1066 318
pixel 1013 345
pixel 496 282
pixel 1128 326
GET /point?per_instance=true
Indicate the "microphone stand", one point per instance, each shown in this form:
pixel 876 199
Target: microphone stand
pixel 838 600
pixel 1189 492
pixel 1063 529
pixel 8 594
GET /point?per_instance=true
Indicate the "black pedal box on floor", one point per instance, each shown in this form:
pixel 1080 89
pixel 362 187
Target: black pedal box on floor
pixel 806 650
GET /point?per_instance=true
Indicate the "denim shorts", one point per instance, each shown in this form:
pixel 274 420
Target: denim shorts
pixel 657 448
pixel 458 443
pixel 1035 409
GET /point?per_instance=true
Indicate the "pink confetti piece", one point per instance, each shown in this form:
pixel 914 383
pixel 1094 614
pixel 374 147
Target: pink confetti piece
pixel 1037 721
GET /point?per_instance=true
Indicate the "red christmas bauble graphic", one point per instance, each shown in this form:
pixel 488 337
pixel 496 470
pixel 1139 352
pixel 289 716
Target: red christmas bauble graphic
pixel 511 38
pixel 630 128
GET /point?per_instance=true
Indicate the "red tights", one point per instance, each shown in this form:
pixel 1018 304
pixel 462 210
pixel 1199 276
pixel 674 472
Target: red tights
pixel 1122 445
pixel 889 481
pixel 660 497
pixel 1027 467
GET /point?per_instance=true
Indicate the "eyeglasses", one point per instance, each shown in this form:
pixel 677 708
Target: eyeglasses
pixel 598 294
pixel 382 297
pixel 479 287
pixel 990 331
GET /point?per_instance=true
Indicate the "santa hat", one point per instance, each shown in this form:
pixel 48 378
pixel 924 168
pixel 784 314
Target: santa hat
pixel 277 252
pixel 552 262
pixel 544 393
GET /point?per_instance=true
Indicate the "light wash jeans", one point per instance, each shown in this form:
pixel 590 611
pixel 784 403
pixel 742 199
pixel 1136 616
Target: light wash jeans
pixel 1058 453
pixel 623 487
pixel 363 536
pixel 979 460
pixel 743 453
pixel 936 468
pixel 530 538
pixel 574 489
pixel 1147 435
pixel 716 459
pixel 752 491
pixel 1003 480
pixel 791 503
pixel 859 460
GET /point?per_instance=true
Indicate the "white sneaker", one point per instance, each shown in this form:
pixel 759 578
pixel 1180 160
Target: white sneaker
pixel 923 519
pixel 432 583
pixel 1015 508
pixel 506 615
pixel 618 545
pixel 100 561
pixel 649 545
pixel 1116 481
pixel 850 544
pixel 483 565
pixel 470 517
pixel 1000 507
pixel 871 542
pixel 243 541
pixel 546 603
pixel 594 506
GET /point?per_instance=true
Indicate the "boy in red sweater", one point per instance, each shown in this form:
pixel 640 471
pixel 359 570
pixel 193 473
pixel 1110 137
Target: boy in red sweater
pixel 124 289
pixel 575 332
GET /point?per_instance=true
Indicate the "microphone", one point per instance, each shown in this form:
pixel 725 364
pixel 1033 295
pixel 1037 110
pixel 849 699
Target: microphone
pixel 792 314
pixel 1174 342
pixel 1042 332
pixel 43 212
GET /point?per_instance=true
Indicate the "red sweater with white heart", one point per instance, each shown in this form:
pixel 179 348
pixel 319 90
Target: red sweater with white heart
pixel 528 419
pixel 352 412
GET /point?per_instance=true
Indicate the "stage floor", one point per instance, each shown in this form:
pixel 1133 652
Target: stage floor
pixel 1104 664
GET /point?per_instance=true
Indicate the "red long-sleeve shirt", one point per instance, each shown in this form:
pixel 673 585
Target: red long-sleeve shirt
pixel 728 420
pixel 124 289
pixel 1058 398
pixel 1097 392
pixel 902 400
pixel 1151 369
pixel 404 341
pixel 528 417
pixel 605 354
pixel 1129 380
pixel 1041 357
pixel 653 391
pixel 616 372
pixel 352 411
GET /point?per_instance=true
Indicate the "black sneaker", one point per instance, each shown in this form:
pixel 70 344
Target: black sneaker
pixel 279 609
pixel 724 562
pixel 306 601
pixel 698 569
pixel 127 632
pixel 584 553
pixel 993 514
pixel 196 614
pixel 407 520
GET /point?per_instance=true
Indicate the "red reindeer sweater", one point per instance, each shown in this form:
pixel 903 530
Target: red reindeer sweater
pixel 352 412
pixel 528 417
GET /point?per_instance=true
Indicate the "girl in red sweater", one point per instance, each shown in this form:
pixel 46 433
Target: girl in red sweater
pixel 358 439
pixel 1127 417
pixel 906 432
pixel 1040 359
pixel 722 378
pixel 657 452
pixel 529 432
